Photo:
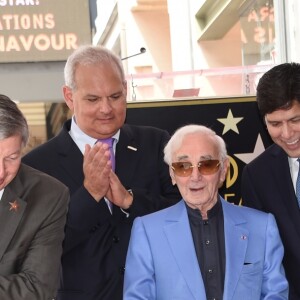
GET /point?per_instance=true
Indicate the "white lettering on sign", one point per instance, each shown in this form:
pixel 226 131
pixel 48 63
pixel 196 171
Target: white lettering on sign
pixel 40 30
pixel 18 2
pixel 41 42
pixel 26 21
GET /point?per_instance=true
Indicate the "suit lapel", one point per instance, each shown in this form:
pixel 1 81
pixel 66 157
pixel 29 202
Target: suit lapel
pixel 127 151
pixel 70 153
pixel 236 242
pixel 10 218
pixel 280 169
pixel 286 198
pixel 180 238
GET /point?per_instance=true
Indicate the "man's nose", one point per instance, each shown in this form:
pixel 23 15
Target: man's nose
pixel 195 173
pixel 286 131
pixel 105 106
pixel 2 168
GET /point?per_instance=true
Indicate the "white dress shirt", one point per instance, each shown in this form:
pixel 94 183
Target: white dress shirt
pixel 294 169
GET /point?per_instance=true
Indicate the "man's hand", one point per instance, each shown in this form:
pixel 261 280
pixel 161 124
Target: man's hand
pixel 117 193
pixel 96 169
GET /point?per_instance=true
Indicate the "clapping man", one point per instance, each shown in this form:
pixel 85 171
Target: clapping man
pixel 104 200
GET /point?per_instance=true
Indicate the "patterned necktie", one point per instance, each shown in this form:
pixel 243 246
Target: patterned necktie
pixel 110 143
pixel 298 185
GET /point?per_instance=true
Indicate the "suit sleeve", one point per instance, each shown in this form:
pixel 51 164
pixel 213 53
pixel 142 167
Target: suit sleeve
pixel 249 196
pixel 139 281
pixel 38 270
pixel 274 284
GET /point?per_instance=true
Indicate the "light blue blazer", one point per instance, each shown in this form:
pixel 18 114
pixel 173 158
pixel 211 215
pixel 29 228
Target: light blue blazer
pixel 162 263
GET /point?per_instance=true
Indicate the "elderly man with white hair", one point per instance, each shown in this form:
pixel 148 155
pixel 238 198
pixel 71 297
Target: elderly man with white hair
pixel 203 247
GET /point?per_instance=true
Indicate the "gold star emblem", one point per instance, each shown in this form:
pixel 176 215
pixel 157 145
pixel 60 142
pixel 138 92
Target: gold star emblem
pixel 14 206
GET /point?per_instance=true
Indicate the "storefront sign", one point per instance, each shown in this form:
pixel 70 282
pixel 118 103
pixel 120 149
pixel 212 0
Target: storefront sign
pixel 42 30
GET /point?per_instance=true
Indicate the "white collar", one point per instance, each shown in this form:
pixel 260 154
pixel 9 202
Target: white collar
pixel 81 139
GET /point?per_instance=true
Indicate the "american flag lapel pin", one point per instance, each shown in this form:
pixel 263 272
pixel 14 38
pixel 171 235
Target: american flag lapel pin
pixel 14 206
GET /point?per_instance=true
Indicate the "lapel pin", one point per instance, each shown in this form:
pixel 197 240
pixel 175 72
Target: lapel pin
pixel 132 148
pixel 14 206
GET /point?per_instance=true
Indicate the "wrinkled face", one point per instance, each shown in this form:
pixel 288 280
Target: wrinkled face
pixel 10 159
pixel 284 128
pixel 99 102
pixel 198 191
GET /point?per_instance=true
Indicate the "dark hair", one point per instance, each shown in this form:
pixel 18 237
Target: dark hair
pixel 278 88
pixel 12 120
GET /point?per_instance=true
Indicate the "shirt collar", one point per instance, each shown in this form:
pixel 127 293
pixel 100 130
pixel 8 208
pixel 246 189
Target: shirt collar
pixel 213 212
pixel 81 139
pixel 294 169
pixel 1 193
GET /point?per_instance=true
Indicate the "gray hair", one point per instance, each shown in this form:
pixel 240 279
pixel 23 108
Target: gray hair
pixel 89 55
pixel 176 141
pixel 12 120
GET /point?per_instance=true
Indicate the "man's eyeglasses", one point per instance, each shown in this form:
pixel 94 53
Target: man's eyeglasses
pixel 205 167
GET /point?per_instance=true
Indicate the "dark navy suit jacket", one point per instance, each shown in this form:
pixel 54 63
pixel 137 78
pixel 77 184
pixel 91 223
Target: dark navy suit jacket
pixel 267 185
pixel 96 242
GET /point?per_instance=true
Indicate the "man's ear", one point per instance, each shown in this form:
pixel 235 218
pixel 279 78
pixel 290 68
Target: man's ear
pixel 172 176
pixel 68 95
pixel 224 170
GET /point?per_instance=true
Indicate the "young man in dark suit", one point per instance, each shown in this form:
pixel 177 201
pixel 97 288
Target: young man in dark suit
pixel 104 202
pixel 269 182
pixel 33 209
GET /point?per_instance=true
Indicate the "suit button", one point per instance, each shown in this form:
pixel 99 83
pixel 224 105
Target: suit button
pixel 116 239
pixel 93 229
pixel 122 270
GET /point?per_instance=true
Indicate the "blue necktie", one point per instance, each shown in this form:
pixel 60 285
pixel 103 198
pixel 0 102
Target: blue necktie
pixel 298 185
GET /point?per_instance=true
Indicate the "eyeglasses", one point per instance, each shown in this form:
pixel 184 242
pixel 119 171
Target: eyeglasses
pixel 205 167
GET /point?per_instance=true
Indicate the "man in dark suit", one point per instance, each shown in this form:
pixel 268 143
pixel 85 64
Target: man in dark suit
pixel 97 234
pixel 269 181
pixel 33 208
